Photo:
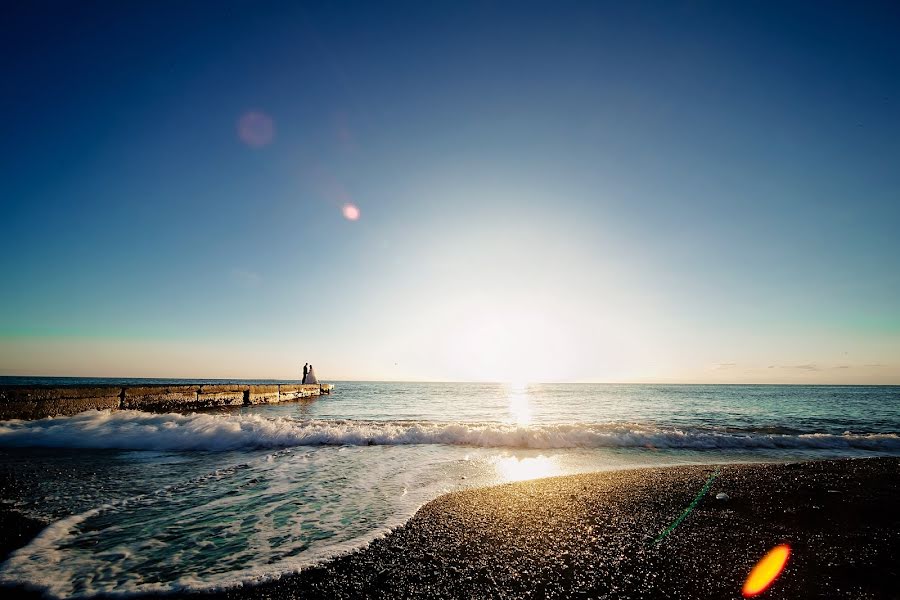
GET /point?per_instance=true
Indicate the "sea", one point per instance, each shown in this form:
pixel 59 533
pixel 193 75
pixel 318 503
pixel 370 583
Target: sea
pixel 140 502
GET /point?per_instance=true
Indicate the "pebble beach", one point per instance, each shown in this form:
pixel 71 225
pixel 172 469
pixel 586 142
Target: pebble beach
pixel 590 536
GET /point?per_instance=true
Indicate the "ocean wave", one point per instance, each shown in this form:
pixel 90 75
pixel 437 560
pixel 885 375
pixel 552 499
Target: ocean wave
pixel 135 430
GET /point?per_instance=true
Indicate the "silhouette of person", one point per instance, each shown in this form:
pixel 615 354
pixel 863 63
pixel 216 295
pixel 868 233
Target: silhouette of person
pixel 305 371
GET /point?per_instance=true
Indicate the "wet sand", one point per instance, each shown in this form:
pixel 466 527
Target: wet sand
pixel 591 536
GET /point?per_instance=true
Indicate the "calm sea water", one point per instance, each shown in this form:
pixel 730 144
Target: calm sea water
pixel 144 502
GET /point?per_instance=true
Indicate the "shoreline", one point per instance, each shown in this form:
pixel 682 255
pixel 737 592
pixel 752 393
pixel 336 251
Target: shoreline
pixel 591 535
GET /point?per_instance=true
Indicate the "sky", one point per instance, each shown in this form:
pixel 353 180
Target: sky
pixel 474 191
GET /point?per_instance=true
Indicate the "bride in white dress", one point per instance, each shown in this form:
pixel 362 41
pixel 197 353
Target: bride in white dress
pixel 311 376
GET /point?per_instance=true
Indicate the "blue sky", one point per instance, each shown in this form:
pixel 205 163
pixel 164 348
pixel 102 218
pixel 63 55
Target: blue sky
pixel 587 191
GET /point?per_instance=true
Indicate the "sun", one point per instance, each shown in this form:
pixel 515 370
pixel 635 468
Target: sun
pixel 504 343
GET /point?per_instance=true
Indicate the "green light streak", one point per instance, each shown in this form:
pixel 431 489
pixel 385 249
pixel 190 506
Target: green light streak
pixel 688 510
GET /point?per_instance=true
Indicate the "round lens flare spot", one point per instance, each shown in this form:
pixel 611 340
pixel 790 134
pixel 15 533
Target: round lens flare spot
pixel 350 212
pixel 256 129
pixel 766 571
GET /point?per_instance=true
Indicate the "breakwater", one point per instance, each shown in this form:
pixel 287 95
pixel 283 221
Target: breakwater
pixel 37 402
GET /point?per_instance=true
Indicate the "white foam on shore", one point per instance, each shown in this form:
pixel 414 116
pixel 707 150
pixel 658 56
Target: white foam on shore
pixel 136 430
pixel 44 566
pixel 256 521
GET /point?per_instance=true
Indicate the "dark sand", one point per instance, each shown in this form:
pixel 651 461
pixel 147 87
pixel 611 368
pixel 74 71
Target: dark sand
pixel 590 536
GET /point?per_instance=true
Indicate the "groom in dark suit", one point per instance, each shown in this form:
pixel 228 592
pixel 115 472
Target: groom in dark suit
pixel 305 371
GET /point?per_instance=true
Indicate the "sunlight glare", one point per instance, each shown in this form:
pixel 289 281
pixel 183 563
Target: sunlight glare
pixel 519 408
pixel 506 341
pixel 511 468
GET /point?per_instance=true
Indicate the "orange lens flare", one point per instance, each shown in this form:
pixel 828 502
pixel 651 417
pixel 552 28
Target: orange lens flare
pixel 766 571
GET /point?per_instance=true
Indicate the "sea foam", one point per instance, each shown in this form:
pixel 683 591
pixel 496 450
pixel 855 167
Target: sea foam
pixel 135 430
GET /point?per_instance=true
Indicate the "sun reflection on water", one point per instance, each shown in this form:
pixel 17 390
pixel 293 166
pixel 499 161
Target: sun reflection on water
pixel 512 468
pixel 519 407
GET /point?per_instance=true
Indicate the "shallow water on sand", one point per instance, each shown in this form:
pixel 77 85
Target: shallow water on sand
pixel 144 502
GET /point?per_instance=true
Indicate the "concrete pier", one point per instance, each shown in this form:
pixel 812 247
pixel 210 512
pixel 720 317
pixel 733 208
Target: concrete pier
pixel 37 402
pixel 264 394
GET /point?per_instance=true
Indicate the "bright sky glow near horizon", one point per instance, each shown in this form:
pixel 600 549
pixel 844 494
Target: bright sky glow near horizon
pixel 499 191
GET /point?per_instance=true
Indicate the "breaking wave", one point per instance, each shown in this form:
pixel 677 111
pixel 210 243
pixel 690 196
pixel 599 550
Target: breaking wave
pixel 135 430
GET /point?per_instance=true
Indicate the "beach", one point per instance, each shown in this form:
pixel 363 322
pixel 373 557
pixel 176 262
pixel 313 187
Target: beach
pixel 466 490
pixel 592 536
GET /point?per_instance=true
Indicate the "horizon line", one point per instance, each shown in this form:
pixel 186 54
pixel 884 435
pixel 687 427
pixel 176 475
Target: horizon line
pixel 484 382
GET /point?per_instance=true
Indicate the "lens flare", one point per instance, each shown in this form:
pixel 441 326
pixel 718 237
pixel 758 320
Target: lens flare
pixel 350 211
pixel 256 129
pixel 766 571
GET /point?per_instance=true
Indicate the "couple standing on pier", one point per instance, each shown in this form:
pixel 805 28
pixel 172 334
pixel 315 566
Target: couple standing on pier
pixel 309 376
